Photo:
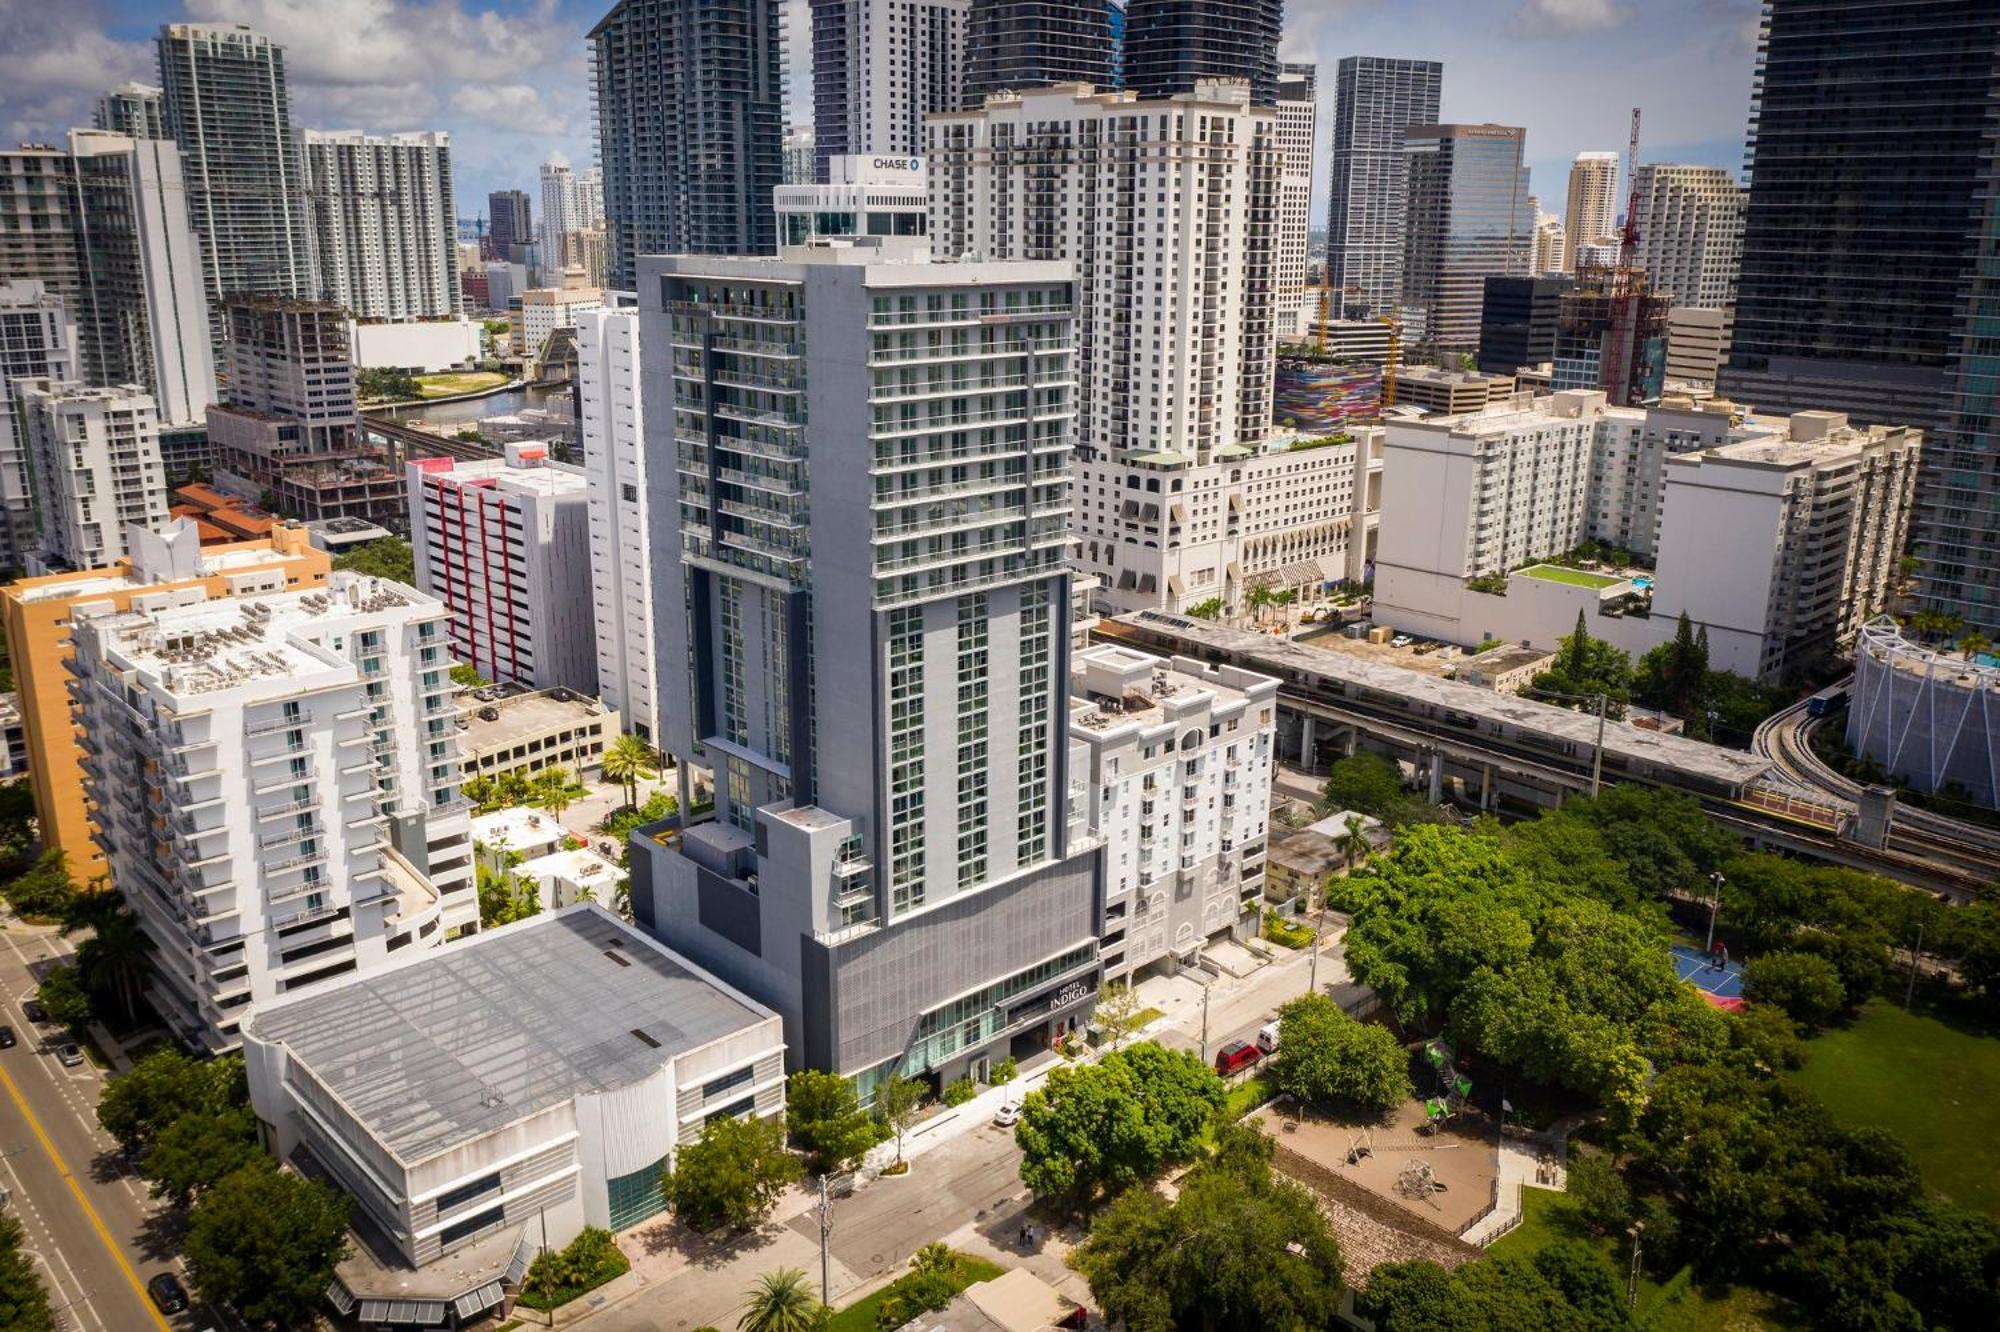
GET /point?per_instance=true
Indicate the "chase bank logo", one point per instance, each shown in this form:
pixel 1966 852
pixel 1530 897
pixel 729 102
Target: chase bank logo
pixel 898 163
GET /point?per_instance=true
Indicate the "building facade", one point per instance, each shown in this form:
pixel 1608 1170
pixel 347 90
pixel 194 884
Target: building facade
pixel 93 458
pixel 511 227
pixel 1466 219
pixel 169 562
pixel 1927 716
pixel 876 677
pixel 1690 233
pixel 1177 758
pixel 1517 321
pixel 879 67
pixel 1014 45
pixel 226 104
pixel 132 109
pixel 1173 46
pixel 1697 345
pixel 1375 99
pixel 505 544
pixel 1298 124
pixel 276 777
pixel 37 342
pixel 690 103
pixel 860 196
pixel 562 212
pixel 382 223
pixel 1590 211
pixel 612 417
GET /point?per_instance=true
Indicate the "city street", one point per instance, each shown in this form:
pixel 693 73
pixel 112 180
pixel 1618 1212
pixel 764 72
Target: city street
pixel 95 1235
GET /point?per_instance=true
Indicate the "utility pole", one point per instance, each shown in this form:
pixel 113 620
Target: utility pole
pixel 1916 959
pixel 825 1233
pixel 1319 923
pixel 1632 1281
pixel 1204 1021
pixel 1714 903
pixel 1597 756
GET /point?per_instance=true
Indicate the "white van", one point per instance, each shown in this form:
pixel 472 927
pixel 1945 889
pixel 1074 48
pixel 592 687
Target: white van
pixel 1267 1037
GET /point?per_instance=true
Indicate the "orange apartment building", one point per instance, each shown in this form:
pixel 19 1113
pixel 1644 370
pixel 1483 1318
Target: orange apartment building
pixel 163 569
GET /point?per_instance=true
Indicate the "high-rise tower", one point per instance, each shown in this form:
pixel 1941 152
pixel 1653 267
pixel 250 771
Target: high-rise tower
pixel 1467 219
pixel 1590 214
pixel 1298 121
pixel 1012 45
pixel 879 67
pixel 1375 100
pixel 690 98
pixel 226 105
pixel 1690 232
pixel 382 223
pixel 1172 44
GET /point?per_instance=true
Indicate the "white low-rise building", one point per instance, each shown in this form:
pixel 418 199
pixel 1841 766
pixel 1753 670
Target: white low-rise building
pixel 276 783
pixel 564 878
pixel 1927 716
pixel 505 542
pixel 515 830
pixel 490 1100
pixel 1174 761
pixel 93 463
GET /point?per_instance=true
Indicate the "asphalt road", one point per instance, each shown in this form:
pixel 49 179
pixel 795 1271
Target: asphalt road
pixel 96 1236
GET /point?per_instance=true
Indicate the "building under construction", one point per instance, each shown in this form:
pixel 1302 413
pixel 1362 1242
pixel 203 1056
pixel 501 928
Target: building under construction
pixel 1611 333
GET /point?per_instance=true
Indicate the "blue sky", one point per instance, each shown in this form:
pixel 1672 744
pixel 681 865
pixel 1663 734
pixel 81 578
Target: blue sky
pixel 508 79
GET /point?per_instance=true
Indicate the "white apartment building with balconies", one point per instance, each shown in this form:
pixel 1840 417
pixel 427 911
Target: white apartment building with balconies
pixel 1298 125
pixel 612 419
pixel 1178 761
pixel 93 457
pixel 1690 233
pixel 275 782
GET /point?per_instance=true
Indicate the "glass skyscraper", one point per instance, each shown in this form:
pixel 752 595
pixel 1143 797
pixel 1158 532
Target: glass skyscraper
pixel 1467 218
pixel 1017 44
pixel 1169 44
pixel 1375 99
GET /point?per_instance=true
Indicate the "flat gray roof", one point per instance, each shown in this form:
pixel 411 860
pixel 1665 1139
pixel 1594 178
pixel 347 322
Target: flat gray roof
pixel 1277 656
pixel 458 1042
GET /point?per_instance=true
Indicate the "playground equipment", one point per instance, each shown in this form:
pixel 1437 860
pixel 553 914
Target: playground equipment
pixel 1419 1182
pixel 1360 1146
pixel 1453 1086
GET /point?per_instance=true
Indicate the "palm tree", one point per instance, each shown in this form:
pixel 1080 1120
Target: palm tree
pixel 552 788
pixel 1354 842
pixel 782 1302
pixel 934 1259
pixel 627 761
pixel 1973 644
pixel 114 959
pixel 1257 598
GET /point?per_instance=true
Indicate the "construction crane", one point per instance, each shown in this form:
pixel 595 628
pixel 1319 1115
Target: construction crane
pixel 1628 287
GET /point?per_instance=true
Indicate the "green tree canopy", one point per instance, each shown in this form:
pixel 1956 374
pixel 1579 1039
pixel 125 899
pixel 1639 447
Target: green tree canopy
pixel 1567 1287
pixel 1237 1248
pixel 1585 667
pixel 1366 783
pixel 733 1174
pixel 44 891
pixel 24 1301
pixel 197 1151
pixel 385 557
pixel 827 1120
pixel 1100 1128
pixel 897 1100
pixel 265 1242
pixel 1806 987
pixel 138 1105
pixel 781 1301
pixel 1326 1058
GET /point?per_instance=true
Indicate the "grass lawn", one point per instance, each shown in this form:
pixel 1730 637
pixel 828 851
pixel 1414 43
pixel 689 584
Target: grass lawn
pixel 1247 1095
pixel 441 386
pixel 1670 1305
pixel 1556 573
pixel 860 1315
pixel 1932 1085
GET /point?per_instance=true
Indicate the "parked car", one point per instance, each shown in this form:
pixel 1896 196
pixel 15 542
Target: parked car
pixel 6 1038
pixel 168 1293
pixel 68 1053
pixel 1008 1115
pixel 33 1008
pixel 1401 641
pixel 1267 1037
pixel 1235 1056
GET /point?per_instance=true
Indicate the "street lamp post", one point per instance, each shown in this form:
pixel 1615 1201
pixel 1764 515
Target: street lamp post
pixel 1714 903
pixel 1632 1280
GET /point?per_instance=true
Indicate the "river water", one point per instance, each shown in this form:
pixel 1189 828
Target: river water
pixel 471 411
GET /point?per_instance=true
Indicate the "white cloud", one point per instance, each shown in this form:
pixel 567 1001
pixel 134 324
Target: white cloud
pixel 381 42
pixel 1562 18
pixel 54 61
pixel 507 106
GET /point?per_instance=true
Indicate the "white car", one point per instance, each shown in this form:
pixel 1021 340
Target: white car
pixel 1401 641
pixel 1008 1115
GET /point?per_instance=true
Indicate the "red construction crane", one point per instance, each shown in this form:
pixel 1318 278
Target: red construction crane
pixel 1628 287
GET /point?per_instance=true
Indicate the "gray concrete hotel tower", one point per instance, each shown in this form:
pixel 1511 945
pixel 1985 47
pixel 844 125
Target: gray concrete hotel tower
pixel 865 607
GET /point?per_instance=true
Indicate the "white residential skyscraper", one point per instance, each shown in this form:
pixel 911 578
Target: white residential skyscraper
pixel 382 223
pixel 227 106
pixel 562 212
pixel 131 108
pixel 1375 99
pixel 879 67
pixel 1591 215
pixel 613 423
pixel 1298 121
pixel 1690 233
pixel 94 466
pixel 37 341
pixel 276 779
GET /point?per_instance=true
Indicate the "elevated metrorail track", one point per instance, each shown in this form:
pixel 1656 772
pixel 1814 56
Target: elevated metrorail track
pixel 1522 744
